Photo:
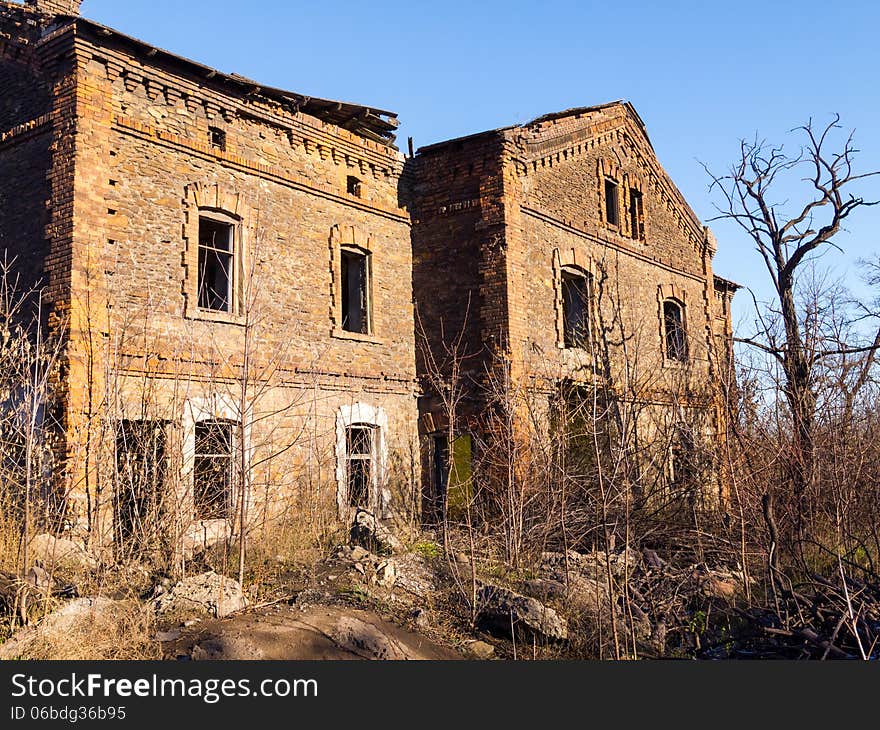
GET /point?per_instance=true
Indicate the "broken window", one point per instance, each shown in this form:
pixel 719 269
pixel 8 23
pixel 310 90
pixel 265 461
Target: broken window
pixel 674 331
pixel 213 468
pixel 355 285
pixel 359 448
pixel 612 206
pixel 575 308
pixel 217 137
pixel 682 460
pixel 216 264
pixel 636 215
pixel 353 186
pixel 140 473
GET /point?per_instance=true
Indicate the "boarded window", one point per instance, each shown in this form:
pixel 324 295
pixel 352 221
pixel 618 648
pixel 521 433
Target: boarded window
pixel 612 204
pixel 636 215
pixel 216 264
pixel 575 308
pixel 356 291
pixel 140 472
pixel 353 186
pixel 359 453
pixel 675 334
pixel 452 475
pixel 213 469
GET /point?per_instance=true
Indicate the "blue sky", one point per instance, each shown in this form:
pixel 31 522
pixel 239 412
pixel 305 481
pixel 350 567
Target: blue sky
pixel 701 74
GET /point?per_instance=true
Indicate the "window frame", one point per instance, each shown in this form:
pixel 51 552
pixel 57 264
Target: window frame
pixel 610 183
pixel 226 510
pixel 370 457
pixel 354 186
pixel 232 254
pixel 636 214
pixel 675 352
pixel 350 252
pixel 153 465
pixel 568 274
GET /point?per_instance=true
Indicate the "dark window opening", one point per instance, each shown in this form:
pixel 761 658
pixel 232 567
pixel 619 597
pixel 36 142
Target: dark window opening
pixel 676 336
pixel 217 137
pixel 356 292
pixel 140 473
pixel 216 252
pixel 359 447
pixel 353 186
pixel 636 215
pixel 575 309
pixel 612 213
pixel 682 461
pixel 440 468
pixel 213 469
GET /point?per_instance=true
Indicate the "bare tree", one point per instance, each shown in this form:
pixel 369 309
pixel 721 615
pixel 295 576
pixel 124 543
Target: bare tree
pixel 788 237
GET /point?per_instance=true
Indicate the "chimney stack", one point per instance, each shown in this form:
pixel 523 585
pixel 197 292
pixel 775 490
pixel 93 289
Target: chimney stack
pixel 55 7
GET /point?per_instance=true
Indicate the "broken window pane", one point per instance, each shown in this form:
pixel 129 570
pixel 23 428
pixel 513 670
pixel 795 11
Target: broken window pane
pixel 140 472
pixel 216 250
pixel 575 309
pixel 676 336
pixel 353 186
pixel 213 469
pixel 355 291
pixel 217 137
pixel 612 214
pixel 636 215
pixel 359 444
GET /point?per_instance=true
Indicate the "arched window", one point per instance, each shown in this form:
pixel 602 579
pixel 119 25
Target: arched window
pixel 575 308
pixel 674 331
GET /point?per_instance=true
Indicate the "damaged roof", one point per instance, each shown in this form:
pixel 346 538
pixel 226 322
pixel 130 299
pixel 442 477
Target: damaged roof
pixel 374 124
pixel 575 111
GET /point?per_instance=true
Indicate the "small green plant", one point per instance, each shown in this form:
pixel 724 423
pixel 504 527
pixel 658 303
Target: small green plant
pixel 427 549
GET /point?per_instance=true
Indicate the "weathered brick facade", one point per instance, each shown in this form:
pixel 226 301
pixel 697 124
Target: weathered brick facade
pixel 116 157
pixel 505 214
pixel 111 153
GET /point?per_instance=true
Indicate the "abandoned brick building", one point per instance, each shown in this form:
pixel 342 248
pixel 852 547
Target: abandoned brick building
pixel 571 259
pixel 204 238
pixel 235 270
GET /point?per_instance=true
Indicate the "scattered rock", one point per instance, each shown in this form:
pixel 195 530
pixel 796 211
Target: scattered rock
pixel 414 575
pixel 39 579
pixel 165 636
pixel 370 533
pixel 420 618
pixel 386 574
pixel 481 649
pixel 503 610
pixel 594 565
pixel 352 553
pixel 60 553
pixel 718 583
pixel 365 639
pixel 72 618
pixel 544 588
pixel 209 593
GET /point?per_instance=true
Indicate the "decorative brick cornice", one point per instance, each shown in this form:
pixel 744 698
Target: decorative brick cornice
pixel 619 130
pixel 270 172
pixel 26 129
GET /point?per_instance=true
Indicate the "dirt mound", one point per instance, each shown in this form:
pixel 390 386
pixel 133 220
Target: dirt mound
pixel 290 633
